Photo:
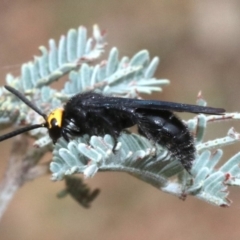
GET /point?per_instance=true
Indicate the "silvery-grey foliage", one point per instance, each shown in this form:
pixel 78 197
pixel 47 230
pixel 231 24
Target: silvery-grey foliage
pixel 127 77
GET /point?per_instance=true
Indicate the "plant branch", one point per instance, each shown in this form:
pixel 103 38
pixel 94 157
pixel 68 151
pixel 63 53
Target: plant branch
pixel 21 163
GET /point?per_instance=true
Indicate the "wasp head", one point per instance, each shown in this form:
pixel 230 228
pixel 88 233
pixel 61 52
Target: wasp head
pixel 54 124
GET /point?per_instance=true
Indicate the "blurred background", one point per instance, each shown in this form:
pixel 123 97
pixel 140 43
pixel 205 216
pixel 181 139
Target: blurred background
pixel 198 43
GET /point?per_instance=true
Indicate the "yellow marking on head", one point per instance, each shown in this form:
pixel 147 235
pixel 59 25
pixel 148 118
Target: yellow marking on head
pixel 56 114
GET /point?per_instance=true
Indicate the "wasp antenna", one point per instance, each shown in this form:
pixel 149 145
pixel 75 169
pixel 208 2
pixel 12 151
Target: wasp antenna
pixel 19 131
pixel 25 100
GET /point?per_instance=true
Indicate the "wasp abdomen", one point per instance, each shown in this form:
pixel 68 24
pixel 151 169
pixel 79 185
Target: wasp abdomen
pixel 167 130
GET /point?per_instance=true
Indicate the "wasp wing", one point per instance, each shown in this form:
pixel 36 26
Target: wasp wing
pixel 101 101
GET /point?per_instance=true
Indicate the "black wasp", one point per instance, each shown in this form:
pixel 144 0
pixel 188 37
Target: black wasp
pixel 94 114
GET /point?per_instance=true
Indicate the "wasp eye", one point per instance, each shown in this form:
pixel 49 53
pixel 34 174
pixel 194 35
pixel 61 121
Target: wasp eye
pixel 54 122
pixel 54 130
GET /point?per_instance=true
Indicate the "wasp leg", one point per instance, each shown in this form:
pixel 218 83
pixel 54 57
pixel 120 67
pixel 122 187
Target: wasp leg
pixel 111 130
pixel 65 135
